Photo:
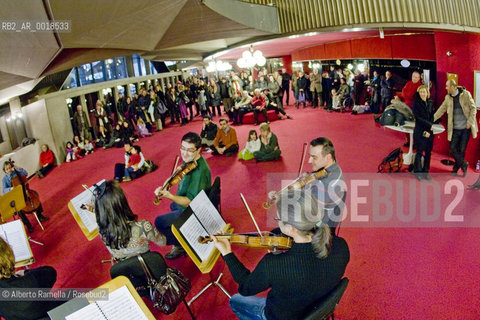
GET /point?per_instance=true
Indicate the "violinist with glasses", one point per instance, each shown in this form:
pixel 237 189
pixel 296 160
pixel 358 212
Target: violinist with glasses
pixel 192 177
pixel 297 278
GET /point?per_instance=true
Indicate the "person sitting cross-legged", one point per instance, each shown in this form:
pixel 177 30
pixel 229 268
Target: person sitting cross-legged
pixel 225 142
pixel 269 149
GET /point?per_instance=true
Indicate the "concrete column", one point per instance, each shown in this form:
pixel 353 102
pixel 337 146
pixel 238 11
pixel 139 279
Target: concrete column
pixel 129 92
pixel 17 122
pixel 83 103
pixel 147 67
pixel 162 85
pixel 129 63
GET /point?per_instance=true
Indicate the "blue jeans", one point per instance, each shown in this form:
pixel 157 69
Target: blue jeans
pixel 164 223
pixel 248 308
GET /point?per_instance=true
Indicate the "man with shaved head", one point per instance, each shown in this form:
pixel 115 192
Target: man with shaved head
pixel 461 111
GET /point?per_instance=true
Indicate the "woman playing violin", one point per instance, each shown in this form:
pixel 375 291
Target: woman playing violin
pixel 11 171
pixel 297 278
pixel 195 181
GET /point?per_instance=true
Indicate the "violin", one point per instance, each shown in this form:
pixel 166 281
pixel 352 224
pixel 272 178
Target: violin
pixel 296 184
pixel 176 177
pixel 267 240
pixel 32 198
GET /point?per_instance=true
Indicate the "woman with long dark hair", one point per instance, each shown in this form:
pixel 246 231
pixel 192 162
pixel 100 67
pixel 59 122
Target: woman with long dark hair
pixel 119 227
pixel 296 279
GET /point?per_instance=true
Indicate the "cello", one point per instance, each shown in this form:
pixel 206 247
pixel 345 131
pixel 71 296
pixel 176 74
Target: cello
pixel 32 198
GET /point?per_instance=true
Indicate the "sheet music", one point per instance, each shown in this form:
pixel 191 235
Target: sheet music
pixel 191 230
pixel 14 234
pixel 91 312
pixel 120 306
pixel 87 217
pixel 206 212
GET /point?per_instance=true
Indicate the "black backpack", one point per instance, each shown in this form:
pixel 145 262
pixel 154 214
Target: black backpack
pixel 392 117
pixel 393 162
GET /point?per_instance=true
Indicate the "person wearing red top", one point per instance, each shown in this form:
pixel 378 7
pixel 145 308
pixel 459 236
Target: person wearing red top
pixel 258 104
pixel 47 160
pixel 410 89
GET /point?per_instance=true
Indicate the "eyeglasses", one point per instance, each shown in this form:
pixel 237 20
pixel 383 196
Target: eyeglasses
pixel 188 150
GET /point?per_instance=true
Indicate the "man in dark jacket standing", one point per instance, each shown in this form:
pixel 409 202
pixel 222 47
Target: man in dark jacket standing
pixel 386 91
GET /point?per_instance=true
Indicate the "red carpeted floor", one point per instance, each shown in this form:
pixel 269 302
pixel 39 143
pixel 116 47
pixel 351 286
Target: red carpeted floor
pixel 395 273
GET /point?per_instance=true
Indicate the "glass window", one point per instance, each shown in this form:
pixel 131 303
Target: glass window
pixel 142 66
pixel 133 89
pixel 71 81
pixel 97 68
pixel 85 74
pixel 136 65
pixel 121 67
pixel 110 71
pixel 153 70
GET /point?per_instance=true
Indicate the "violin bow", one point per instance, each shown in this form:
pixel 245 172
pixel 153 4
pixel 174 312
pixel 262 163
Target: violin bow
pixel 176 164
pixel 305 145
pixel 87 188
pixel 251 215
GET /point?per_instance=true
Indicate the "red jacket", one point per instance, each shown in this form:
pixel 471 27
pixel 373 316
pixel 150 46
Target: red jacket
pixel 408 92
pixel 46 158
pixel 258 102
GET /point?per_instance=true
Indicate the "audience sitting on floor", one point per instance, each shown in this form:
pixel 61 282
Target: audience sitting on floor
pixel 225 142
pixel 88 147
pixel 47 161
pixel 80 147
pixel 269 148
pixel 133 164
pixel 209 132
pixel 142 129
pixel 253 145
pixel 70 151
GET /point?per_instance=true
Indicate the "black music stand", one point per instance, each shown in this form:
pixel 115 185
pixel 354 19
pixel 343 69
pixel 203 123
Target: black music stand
pixel 10 205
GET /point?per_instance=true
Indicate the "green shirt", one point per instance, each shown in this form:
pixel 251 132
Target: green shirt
pixel 195 181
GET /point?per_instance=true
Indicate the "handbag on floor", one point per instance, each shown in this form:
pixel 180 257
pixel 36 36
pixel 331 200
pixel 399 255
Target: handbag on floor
pixel 169 291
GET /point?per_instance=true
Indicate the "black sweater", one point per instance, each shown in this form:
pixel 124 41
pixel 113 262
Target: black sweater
pixel 297 278
pixel 42 277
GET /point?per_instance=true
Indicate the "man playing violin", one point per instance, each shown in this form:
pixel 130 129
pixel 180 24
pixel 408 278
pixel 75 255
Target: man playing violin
pixel 7 185
pixel 195 181
pixel 330 190
pixel 298 278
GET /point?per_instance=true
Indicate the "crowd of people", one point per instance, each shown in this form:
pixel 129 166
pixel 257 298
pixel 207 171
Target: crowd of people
pixel 311 222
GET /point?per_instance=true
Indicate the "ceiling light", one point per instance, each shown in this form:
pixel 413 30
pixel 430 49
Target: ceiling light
pixel 251 58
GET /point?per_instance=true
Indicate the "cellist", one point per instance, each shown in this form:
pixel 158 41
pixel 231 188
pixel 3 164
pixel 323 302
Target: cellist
pixel 297 278
pixel 9 168
pixel 195 181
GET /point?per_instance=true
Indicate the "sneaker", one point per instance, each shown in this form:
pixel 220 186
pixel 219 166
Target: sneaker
pixel 176 252
pixel 40 174
pixel 126 179
pixel 208 150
